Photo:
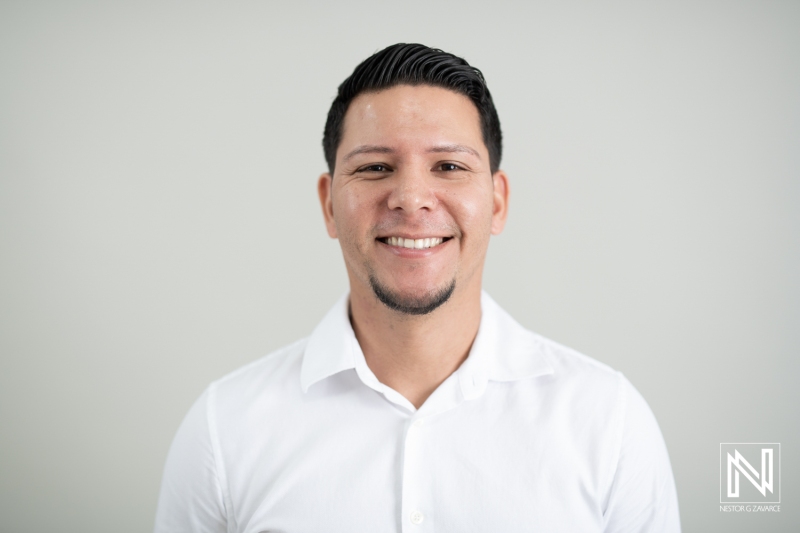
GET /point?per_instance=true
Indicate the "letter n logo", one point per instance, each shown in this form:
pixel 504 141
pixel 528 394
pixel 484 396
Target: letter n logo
pixel 743 479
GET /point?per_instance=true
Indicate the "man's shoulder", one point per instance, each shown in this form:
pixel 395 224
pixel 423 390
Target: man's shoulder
pixel 522 351
pixel 276 370
pixel 570 362
pixel 578 374
pixel 589 385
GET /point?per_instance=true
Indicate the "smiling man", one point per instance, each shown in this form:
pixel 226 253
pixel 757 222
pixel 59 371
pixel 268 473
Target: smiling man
pixel 418 404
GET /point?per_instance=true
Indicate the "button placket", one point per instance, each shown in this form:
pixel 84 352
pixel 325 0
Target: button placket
pixel 416 485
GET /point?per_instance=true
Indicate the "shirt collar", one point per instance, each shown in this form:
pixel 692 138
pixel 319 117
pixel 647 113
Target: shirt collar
pixel 503 350
pixel 330 347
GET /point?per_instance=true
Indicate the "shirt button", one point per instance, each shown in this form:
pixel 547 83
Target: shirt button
pixel 418 423
pixel 417 517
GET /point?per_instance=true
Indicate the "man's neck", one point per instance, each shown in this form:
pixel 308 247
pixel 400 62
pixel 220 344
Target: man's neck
pixel 415 354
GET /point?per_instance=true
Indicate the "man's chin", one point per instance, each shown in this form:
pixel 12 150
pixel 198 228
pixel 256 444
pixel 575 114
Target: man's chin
pixel 412 304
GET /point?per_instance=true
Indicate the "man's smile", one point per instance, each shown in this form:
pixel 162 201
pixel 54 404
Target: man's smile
pixel 414 243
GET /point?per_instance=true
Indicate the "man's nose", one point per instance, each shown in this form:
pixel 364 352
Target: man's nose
pixel 412 189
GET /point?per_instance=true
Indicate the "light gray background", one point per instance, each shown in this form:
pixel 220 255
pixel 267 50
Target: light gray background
pixel 159 224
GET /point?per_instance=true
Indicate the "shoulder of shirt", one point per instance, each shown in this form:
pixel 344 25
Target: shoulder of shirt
pixel 570 364
pixel 590 386
pixel 275 366
pixel 554 362
pixel 569 357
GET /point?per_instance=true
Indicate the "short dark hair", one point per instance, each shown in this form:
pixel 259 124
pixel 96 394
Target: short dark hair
pixel 415 64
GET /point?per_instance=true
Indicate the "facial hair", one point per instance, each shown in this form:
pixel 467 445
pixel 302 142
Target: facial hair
pixel 411 306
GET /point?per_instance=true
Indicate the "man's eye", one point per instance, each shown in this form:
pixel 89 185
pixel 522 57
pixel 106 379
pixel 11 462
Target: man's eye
pixel 449 167
pixel 374 168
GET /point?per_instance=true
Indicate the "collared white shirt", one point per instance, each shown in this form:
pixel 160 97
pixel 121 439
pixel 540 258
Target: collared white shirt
pixel 526 435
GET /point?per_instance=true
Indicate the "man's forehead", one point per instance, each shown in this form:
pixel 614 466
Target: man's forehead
pixel 410 100
pixel 440 118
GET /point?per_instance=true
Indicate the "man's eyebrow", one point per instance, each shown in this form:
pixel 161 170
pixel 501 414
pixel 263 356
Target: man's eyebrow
pixel 453 148
pixel 368 149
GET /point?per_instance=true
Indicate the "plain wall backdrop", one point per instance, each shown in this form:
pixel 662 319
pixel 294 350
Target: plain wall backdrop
pixel 159 225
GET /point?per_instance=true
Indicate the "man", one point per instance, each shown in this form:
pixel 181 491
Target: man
pixel 418 404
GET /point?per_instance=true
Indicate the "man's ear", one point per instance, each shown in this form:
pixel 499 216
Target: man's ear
pixel 500 210
pixel 325 191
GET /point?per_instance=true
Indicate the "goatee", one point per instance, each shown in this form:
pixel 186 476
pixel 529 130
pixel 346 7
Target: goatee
pixel 412 306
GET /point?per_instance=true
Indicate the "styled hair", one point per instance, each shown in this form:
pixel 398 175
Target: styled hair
pixel 415 64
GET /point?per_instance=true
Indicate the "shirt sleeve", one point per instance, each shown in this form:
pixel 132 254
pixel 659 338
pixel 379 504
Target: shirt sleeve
pixel 642 496
pixel 191 498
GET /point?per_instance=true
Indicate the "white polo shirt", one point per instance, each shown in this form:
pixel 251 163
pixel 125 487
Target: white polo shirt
pixel 526 435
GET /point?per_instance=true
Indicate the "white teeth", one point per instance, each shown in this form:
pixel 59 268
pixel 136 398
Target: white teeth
pixel 417 244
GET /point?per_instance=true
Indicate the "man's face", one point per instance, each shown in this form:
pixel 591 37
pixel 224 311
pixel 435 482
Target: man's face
pixel 413 201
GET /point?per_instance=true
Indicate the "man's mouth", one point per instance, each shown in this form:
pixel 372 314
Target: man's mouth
pixel 418 244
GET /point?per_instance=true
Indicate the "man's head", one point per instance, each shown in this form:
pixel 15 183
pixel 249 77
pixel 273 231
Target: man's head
pixel 414 193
